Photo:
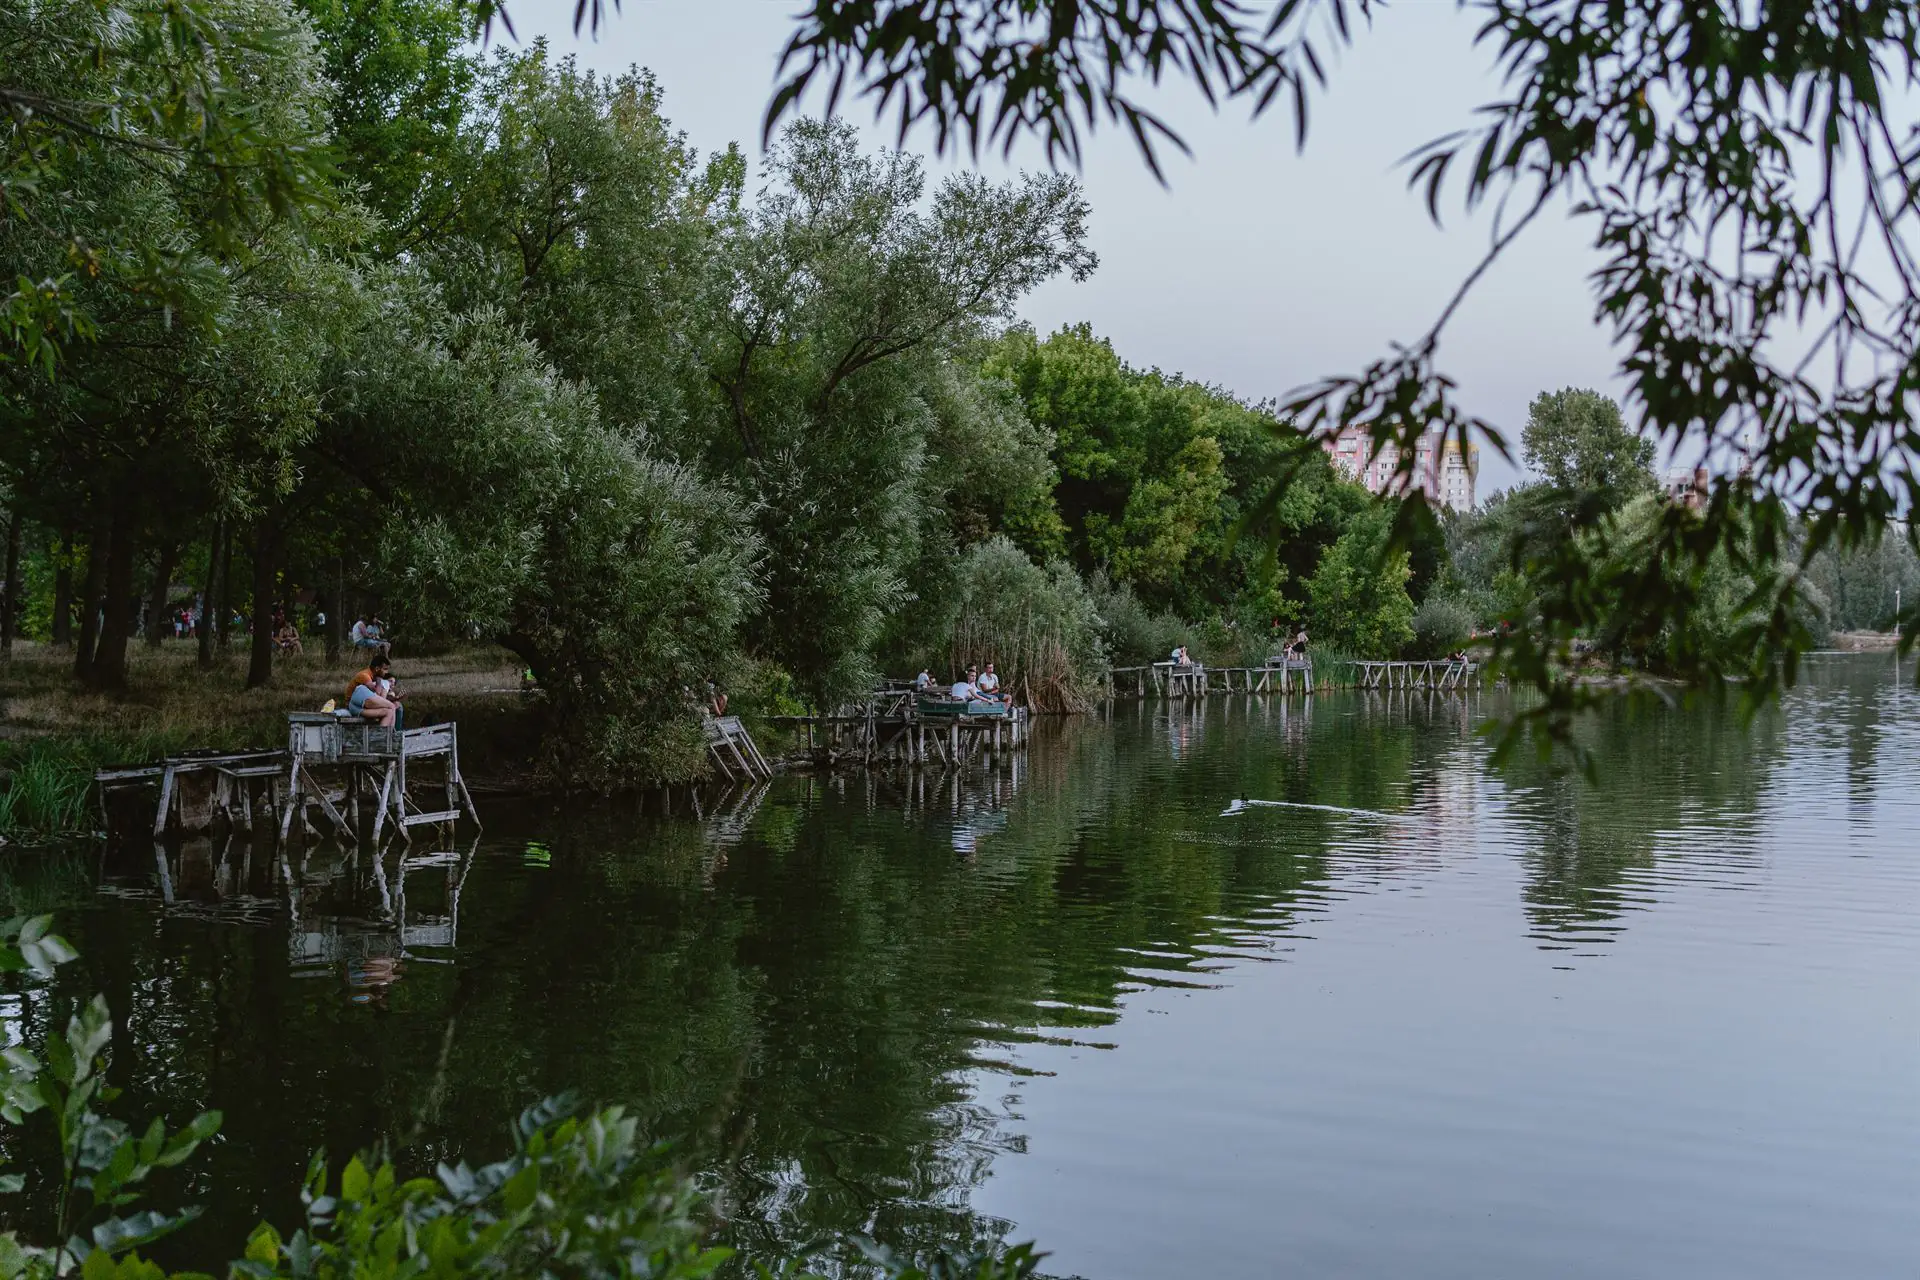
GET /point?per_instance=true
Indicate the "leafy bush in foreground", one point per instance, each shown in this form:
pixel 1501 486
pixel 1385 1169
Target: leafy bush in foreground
pixel 580 1196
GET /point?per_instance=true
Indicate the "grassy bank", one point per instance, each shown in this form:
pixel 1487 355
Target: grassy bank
pixel 54 732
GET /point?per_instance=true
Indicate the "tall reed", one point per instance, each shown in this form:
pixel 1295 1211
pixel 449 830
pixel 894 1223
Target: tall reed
pixel 1037 625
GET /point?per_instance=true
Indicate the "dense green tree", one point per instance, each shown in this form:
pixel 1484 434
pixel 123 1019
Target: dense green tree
pixel 1141 482
pixel 402 83
pixel 1865 587
pixel 588 222
pixel 211 99
pixel 1582 448
pixel 1357 598
pixel 150 223
pixel 848 300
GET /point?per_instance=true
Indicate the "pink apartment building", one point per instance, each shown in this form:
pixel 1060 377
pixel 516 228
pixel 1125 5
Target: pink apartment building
pixel 1446 475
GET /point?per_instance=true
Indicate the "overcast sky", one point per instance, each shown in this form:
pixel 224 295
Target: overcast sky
pixel 1257 268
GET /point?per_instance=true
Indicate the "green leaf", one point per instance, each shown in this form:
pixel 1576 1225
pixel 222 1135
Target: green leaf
pixel 521 1189
pixel 13 1258
pixel 354 1181
pixel 183 1144
pixel 263 1246
pixel 87 1034
pixel 120 1234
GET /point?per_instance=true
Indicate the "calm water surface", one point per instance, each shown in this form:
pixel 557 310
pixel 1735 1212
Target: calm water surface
pixel 1456 1023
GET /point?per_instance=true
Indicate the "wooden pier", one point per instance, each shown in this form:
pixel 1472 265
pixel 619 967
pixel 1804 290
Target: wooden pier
pixel 1173 680
pixel 374 761
pixel 368 765
pixel 893 729
pixel 1442 675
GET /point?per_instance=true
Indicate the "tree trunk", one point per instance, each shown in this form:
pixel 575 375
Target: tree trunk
pixel 63 593
pixel 223 617
pixel 209 607
pixel 116 623
pixel 10 610
pixel 159 617
pixel 93 586
pixel 336 611
pixel 260 653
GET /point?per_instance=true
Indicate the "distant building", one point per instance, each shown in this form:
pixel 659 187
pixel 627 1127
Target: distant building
pixel 1444 473
pixel 1689 488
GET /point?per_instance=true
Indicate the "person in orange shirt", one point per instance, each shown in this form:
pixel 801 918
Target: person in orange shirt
pixel 364 694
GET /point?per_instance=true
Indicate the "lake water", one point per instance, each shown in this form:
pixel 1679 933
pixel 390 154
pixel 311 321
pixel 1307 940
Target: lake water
pixel 1452 1022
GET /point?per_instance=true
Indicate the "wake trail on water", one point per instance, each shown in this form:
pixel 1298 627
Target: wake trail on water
pixel 1241 806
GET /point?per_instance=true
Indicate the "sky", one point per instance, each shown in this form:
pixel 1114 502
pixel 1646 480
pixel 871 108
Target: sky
pixel 1257 267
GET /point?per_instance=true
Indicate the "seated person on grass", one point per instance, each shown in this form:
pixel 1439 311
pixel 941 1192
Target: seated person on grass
pixel 371 696
pixel 367 633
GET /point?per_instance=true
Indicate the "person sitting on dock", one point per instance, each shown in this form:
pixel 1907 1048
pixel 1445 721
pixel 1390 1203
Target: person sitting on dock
pixel 371 695
pixel 923 681
pixel 988 685
pixel 962 689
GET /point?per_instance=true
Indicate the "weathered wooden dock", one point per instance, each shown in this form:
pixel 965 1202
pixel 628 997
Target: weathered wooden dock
pixel 1439 675
pixel 367 765
pixel 892 728
pixel 1193 680
pixel 374 762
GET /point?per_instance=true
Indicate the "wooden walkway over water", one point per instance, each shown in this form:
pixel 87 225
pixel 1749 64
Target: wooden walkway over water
pixel 893 727
pixel 1445 674
pixel 1194 680
pixel 354 773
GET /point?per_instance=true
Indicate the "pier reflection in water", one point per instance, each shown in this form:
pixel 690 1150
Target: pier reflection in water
pixel 1406 1017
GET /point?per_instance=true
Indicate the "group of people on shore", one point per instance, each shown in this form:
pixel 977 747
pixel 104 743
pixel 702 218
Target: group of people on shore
pixel 976 685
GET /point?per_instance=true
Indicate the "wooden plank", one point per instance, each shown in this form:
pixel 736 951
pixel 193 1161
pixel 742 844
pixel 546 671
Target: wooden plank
pixel 421 819
pixel 140 773
pixel 166 800
pixel 326 805
pixel 430 742
pixel 383 805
